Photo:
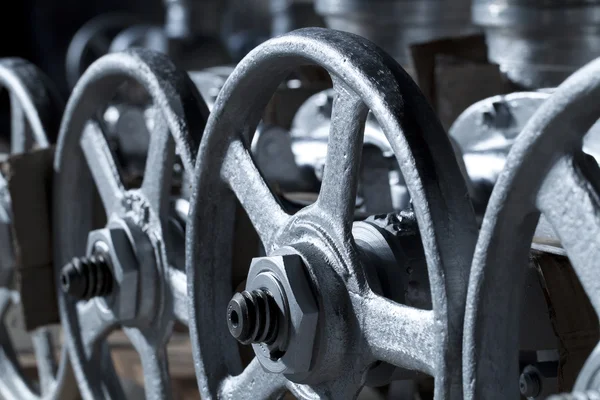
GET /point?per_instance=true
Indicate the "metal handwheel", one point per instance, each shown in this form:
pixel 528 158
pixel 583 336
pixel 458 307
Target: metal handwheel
pixel 35 117
pixel 310 310
pixel 125 274
pixel 546 172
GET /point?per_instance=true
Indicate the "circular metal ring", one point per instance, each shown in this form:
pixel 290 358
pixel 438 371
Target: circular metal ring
pixel 356 326
pixel 546 172
pixel 138 218
pixel 36 107
pixel 35 117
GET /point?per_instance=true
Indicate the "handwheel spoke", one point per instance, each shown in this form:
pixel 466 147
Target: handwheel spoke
pixel 574 212
pixel 399 335
pixel 159 166
pixel 9 361
pixel 7 298
pixel 178 283
pixel 339 389
pixel 45 359
pixel 261 205
pixel 153 357
pixel 20 131
pixel 253 383
pixel 102 166
pixel 111 388
pixel 342 166
pixel 95 324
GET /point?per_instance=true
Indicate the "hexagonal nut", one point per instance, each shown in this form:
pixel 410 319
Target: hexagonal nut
pixel 114 242
pixel 302 311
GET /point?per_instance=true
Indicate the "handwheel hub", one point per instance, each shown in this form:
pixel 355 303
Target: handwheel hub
pixel 129 254
pixel 277 313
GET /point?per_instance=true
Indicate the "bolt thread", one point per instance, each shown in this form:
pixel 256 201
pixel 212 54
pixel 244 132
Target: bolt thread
pixel 587 395
pixel 87 277
pixel 253 317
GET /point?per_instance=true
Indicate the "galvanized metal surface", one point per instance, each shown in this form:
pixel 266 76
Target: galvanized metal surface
pixel 485 133
pixel 356 326
pixel 546 172
pixel 35 116
pixel 381 184
pixel 382 181
pixel 142 216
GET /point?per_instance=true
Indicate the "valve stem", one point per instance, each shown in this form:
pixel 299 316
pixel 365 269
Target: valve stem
pixel 253 317
pixel 87 277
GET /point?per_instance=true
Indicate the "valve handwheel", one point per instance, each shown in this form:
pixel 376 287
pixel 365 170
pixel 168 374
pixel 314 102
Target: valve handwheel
pixel 546 172
pixel 314 321
pixel 125 274
pixel 35 118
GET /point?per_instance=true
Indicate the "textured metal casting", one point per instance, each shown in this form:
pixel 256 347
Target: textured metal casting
pixel 356 327
pixel 546 172
pixel 381 184
pixel 396 24
pixel 35 117
pixel 309 135
pixel 138 242
pixel 539 43
pixel 485 133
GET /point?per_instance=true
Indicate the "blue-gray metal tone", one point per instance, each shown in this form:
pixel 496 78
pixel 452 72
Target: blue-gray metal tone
pixel 138 242
pixel 356 327
pixel 546 173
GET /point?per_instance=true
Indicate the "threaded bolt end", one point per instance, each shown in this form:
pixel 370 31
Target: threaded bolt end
pixel 87 277
pixel 253 317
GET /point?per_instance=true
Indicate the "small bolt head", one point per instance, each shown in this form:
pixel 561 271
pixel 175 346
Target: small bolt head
pixel 530 383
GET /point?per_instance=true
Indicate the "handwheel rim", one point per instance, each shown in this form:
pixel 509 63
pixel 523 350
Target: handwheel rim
pixel 40 104
pixel 546 156
pixel 35 111
pixel 440 206
pixel 180 126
